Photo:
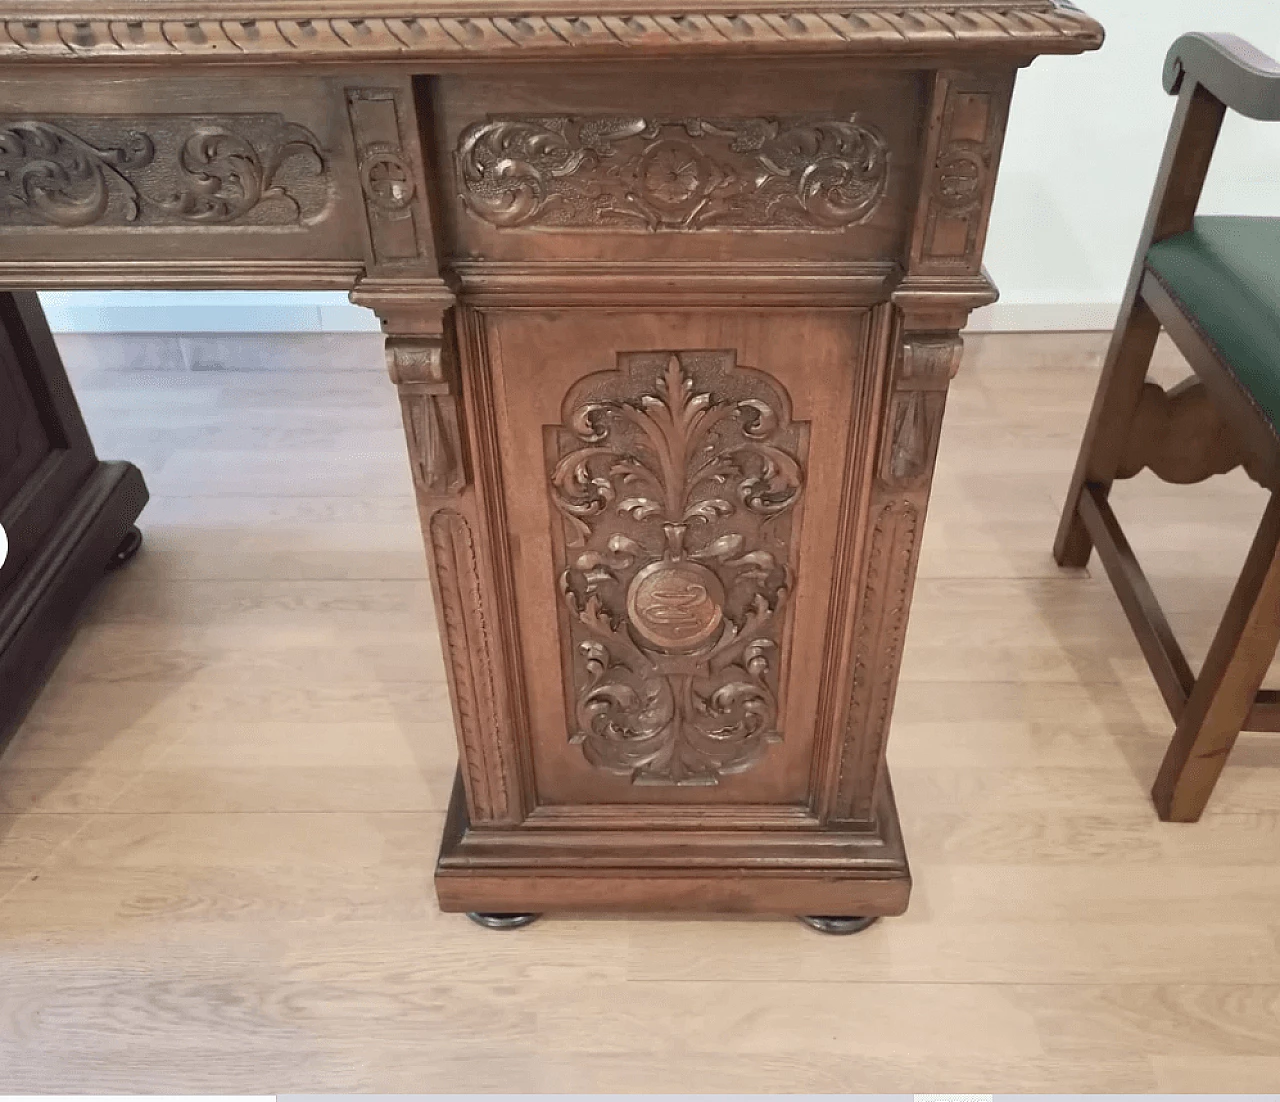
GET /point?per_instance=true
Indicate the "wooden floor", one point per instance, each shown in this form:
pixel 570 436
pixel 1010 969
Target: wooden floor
pixel 217 827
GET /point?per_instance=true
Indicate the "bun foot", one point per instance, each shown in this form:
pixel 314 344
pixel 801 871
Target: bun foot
pixel 502 921
pixel 839 924
pixel 127 549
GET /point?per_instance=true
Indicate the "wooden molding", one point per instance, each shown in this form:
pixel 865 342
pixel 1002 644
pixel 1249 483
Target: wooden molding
pixel 284 31
pixel 473 677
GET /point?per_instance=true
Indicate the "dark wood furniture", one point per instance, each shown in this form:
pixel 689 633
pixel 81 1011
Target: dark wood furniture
pixel 67 516
pixel 1214 285
pixel 672 299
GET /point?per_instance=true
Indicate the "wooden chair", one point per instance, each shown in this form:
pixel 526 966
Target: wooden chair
pixel 1214 285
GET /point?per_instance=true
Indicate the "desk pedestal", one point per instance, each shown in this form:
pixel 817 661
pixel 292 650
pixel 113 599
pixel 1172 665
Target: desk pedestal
pixel 65 512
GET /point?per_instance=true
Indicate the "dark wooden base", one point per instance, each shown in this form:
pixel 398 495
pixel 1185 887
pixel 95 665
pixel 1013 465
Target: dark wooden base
pixel 536 870
pixel 39 610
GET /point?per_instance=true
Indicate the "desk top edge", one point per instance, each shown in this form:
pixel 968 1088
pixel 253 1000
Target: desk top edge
pixel 364 30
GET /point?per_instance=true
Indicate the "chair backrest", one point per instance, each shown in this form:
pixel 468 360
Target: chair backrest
pixel 1235 73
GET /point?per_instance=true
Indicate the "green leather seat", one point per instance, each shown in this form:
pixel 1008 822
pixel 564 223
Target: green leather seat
pixel 1225 275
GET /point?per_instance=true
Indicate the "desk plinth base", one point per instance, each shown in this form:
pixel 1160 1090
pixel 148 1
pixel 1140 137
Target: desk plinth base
pixel 827 871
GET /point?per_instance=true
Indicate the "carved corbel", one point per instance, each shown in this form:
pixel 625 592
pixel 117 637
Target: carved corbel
pixel 1180 436
pixel 926 365
pixel 430 410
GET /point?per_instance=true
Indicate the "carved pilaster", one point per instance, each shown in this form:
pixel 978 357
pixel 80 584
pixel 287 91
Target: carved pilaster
pixel 925 365
pixel 458 529
pixel 470 650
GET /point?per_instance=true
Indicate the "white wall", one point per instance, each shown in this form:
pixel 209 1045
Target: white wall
pixel 1084 142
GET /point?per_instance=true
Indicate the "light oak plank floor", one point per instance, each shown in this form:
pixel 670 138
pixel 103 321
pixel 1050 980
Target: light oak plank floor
pixel 217 827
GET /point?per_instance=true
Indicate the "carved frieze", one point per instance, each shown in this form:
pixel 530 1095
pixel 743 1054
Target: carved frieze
pixel 161 170
pixel 677 479
pixel 653 174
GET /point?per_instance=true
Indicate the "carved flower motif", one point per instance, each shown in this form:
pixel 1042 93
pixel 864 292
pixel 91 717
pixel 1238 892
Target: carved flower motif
pixel 672 174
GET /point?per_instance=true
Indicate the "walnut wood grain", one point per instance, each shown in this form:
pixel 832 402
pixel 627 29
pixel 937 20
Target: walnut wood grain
pixel 671 341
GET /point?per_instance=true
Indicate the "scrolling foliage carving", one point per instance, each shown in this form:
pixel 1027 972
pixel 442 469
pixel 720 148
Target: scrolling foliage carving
pixel 617 173
pixel 677 479
pixel 160 170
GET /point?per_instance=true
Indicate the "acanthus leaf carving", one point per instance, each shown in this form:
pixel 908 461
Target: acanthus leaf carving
pixel 926 364
pixel 430 413
pixel 659 174
pixel 161 170
pixel 677 478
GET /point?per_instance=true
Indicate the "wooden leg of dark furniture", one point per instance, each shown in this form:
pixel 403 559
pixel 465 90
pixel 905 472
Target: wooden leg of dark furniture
pixel 68 516
pixel 1119 391
pixel 1224 693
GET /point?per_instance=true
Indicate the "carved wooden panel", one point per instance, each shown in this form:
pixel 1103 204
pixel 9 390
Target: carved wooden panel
pixel 676 478
pixel 915 409
pixel 161 170
pixel 652 174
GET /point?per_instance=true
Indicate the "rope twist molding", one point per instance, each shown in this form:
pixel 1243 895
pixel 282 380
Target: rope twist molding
pixel 1051 26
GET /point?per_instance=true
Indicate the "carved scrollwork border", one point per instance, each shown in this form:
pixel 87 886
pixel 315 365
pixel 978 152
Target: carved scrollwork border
pixel 629 173
pixel 231 171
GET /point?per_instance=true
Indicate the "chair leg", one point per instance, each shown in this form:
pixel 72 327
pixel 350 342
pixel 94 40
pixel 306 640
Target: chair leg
pixel 1242 652
pixel 1114 404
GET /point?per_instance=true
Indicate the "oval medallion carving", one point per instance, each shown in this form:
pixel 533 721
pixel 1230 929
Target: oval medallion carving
pixel 676 606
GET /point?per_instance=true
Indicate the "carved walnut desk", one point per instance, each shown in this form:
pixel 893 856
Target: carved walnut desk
pixel 672 296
